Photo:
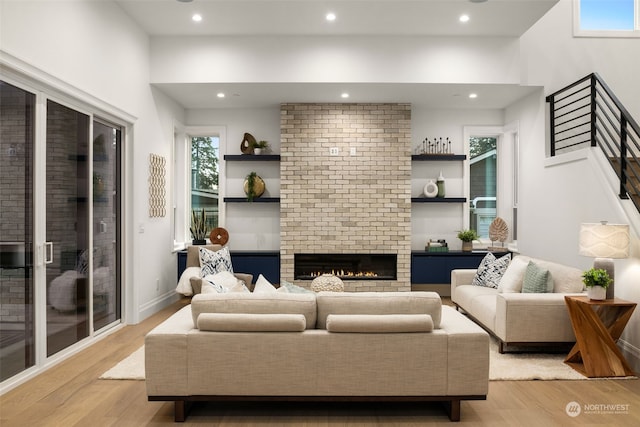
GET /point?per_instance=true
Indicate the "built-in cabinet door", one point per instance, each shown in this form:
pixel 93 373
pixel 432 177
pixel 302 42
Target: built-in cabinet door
pixel 17 320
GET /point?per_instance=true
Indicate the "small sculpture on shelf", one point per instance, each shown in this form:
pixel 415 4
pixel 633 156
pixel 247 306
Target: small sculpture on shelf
pixel 434 147
pixel 498 231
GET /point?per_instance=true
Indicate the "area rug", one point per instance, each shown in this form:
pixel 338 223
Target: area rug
pixel 503 367
pixel 130 368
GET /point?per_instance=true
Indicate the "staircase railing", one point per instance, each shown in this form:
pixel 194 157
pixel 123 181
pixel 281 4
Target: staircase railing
pixel 587 113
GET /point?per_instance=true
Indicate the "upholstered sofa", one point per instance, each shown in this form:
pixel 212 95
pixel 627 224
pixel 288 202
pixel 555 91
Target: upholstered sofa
pixel 328 346
pixel 517 318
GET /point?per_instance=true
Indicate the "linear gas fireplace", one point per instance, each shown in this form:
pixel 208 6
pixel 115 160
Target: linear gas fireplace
pixel 346 266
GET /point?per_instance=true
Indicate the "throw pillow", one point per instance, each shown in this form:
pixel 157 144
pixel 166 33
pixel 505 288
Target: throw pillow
pixel 184 284
pixel 293 289
pixel 212 262
pixel 511 281
pixel 263 286
pixel 212 288
pixel 536 279
pixel 491 270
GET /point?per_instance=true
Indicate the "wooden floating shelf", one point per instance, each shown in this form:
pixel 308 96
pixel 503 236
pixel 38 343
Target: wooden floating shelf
pixel 438 157
pixel 255 200
pixel 438 200
pixel 252 157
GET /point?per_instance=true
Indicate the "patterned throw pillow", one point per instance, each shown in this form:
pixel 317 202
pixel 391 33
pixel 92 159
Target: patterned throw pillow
pixel 212 262
pixel 536 279
pixel 491 270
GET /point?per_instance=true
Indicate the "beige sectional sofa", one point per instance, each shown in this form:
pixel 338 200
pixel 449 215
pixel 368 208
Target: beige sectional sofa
pixel 328 346
pixel 517 318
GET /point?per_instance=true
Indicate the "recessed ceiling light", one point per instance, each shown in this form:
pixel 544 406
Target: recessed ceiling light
pixel 185 1
pixel 464 18
pixel 344 95
pixel 330 16
pixel 220 95
pixel 473 95
pixel 196 17
pixel 472 1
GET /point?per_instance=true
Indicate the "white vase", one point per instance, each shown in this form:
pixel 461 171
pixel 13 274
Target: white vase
pixel 257 151
pixel 597 293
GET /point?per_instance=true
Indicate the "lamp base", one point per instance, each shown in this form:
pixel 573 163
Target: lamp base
pixel 607 265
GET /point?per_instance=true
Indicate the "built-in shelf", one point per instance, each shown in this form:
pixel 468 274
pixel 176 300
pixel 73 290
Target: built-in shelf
pixel 255 200
pixel 438 200
pixel 252 157
pixel 438 157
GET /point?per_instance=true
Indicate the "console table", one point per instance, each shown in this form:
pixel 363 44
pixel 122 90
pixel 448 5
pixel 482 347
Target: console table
pixel 597 325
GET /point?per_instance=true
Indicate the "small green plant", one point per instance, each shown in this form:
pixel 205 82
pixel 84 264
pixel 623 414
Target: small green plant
pixel 467 235
pixel 596 277
pixel 251 186
pixel 261 144
pixel 198 225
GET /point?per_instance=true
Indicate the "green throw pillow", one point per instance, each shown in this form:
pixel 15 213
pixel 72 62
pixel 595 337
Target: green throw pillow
pixel 536 279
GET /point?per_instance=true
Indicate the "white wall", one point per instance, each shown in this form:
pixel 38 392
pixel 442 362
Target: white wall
pixel 101 56
pixel 557 195
pixel 334 59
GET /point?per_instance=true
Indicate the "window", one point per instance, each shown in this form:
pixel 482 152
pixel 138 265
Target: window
pixel 198 175
pixel 483 161
pixel 204 177
pixel 607 18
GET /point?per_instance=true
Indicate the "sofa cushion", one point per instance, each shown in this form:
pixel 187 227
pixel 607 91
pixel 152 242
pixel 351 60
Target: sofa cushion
pixel 242 322
pixel 378 303
pixel 263 286
pixel 251 303
pixel 294 289
pixel 564 279
pixel 490 270
pixel 379 323
pixel 536 280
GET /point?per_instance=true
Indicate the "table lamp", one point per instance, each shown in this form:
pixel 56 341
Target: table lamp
pixel 604 242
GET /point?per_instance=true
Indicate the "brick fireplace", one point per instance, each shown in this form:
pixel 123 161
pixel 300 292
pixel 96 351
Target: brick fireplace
pixel 345 186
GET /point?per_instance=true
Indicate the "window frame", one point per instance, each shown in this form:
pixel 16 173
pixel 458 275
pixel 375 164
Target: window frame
pixel 578 32
pixel 181 208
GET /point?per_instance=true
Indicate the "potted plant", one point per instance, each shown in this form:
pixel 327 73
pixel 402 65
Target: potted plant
pixel 597 281
pixel 198 227
pixel 467 237
pixel 258 146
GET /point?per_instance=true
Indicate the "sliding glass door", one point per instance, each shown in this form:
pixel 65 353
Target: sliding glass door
pixel 17 331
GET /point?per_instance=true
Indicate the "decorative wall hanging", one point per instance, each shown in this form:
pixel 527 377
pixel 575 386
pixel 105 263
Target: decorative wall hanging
pixel 157 200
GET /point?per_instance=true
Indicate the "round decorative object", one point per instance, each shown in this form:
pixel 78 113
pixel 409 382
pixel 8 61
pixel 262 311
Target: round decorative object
pixel 498 230
pixel 431 189
pixel 219 236
pixel 258 187
pixel 247 144
pixel 327 282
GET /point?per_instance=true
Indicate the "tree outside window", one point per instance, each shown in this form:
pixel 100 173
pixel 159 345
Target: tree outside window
pixel 204 177
pixel 482 183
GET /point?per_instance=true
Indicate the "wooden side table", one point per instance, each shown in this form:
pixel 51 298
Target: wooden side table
pixel 597 326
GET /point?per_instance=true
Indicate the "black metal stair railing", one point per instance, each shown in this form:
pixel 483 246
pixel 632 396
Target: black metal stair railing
pixel 587 113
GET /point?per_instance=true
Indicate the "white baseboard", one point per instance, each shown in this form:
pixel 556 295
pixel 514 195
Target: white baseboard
pixel 157 304
pixel 631 353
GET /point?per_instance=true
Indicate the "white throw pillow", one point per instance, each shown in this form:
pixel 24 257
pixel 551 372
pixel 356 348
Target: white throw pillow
pixel 491 270
pixel 511 281
pixel 263 286
pixel 184 284
pixel 228 281
pixel 212 288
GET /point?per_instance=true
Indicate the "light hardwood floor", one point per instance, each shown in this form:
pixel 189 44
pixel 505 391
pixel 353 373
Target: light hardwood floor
pixel 71 394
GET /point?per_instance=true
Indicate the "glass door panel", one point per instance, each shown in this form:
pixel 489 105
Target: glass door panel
pixel 17 118
pixel 67 226
pixel 106 232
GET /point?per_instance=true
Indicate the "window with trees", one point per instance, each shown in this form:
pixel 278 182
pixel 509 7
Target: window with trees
pixel 483 155
pixel 204 177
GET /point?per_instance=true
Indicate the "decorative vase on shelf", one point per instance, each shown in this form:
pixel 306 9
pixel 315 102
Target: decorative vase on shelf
pixel 440 184
pixel 198 242
pixel 257 151
pixel 597 293
pixel 467 246
pixel 431 189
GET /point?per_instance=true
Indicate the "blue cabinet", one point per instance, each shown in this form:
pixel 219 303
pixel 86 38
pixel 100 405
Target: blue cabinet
pixel 251 262
pixel 435 267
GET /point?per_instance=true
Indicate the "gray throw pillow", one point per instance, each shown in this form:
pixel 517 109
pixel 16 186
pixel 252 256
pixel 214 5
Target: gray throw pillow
pixel 536 279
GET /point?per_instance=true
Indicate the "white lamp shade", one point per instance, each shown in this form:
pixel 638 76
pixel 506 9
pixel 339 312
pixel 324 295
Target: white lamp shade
pixel 604 240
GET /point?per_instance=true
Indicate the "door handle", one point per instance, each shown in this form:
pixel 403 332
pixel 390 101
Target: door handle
pixel 48 252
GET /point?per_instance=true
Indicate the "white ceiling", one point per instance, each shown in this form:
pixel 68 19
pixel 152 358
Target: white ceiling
pixel 508 18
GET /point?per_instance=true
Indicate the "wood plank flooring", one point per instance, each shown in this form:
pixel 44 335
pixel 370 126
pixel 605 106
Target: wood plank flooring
pixel 71 394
